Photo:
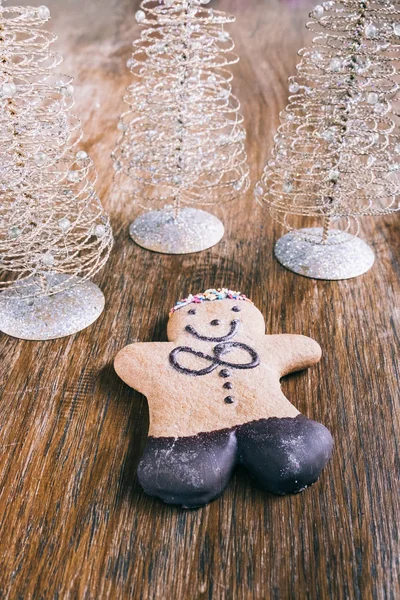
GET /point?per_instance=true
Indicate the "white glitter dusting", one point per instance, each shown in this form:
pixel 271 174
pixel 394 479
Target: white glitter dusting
pixel 192 231
pixel 348 257
pixel 50 317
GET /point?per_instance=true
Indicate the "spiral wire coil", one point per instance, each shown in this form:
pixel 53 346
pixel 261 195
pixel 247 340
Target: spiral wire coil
pixel 51 219
pixel 182 139
pixel 337 151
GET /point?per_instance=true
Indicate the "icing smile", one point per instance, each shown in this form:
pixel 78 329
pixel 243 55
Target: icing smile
pixel 232 332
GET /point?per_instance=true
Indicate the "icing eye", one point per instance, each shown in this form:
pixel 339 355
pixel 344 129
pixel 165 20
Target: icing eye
pixel 236 309
pixel 216 322
pixel 192 311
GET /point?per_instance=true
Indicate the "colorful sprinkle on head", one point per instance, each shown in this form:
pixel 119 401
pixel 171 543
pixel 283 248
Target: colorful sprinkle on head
pixel 210 296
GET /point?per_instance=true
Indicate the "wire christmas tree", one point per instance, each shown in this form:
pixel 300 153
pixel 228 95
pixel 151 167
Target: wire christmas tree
pixel 54 233
pixel 182 141
pixel 337 151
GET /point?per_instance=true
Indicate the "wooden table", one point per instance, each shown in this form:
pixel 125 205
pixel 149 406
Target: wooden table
pixel 73 521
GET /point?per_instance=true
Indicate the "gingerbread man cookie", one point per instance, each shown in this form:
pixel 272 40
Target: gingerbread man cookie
pixel 215 400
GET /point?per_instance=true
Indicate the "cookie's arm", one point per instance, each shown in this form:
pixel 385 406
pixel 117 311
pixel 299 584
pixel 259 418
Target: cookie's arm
pixel 141 365
pixel 293 352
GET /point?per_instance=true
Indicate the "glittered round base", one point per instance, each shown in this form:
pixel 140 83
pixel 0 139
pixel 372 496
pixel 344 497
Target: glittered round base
pixel 50 317
pixel 347 257
pixel 192 231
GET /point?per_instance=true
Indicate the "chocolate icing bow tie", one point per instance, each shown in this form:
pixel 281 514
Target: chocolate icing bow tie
pixel 215 361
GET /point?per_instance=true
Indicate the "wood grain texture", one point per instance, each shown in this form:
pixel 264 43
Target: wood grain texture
pixel 73 521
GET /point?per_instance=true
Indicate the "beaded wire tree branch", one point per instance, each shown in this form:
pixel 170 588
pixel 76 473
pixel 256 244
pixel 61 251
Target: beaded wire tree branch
pixel 54 232
pixel 337 150
pixel 182 140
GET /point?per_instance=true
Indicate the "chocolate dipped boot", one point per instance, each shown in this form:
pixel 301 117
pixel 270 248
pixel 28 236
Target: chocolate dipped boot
pixel 215 398
pixel 190 471
pixel 284 455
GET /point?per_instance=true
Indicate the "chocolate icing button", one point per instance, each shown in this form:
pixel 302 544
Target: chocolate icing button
pixel 225 373
pixel 229 400
pixel 285 455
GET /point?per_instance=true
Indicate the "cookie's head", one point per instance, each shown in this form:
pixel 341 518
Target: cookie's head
pixel 215 316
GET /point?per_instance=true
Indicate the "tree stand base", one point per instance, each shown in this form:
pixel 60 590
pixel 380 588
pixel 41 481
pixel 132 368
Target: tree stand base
pixel 49 317
pixel 193 230
pixel 343 257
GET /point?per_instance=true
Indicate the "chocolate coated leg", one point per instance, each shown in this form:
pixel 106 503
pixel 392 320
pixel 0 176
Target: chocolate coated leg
pixel 284 455
pixel 189 471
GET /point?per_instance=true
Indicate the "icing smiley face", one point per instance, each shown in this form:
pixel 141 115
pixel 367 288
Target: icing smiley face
pixel 218 321
pixel 233 330
pixel 215 347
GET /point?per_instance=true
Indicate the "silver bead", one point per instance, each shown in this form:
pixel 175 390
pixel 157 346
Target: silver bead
pixel 372 98
pixel 371 31
pixel 335 65
pixel 99 231
pixel 318 12
pixel 14 232
pixel 328 135
pixel 316 57
pixel 140 16
pixel 40 159
pixel 68 90
pixel 362 66
pixel 259 190
pixel 64 224
pixel 47 259
pixel 294 87
pixel 334 174
pixel 81 155
pixel 9 90
pixel 44 13
pixel 396 29
pixel 73 176
pixel 288 187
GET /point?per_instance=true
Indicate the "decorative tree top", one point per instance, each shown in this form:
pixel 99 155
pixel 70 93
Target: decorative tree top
pixel 183 136
pixel 337 150
pixel 51 220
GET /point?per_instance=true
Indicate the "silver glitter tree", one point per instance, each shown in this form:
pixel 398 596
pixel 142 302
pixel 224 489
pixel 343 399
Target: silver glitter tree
pixel 54 233
pixel 337 151
pixel 182 139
